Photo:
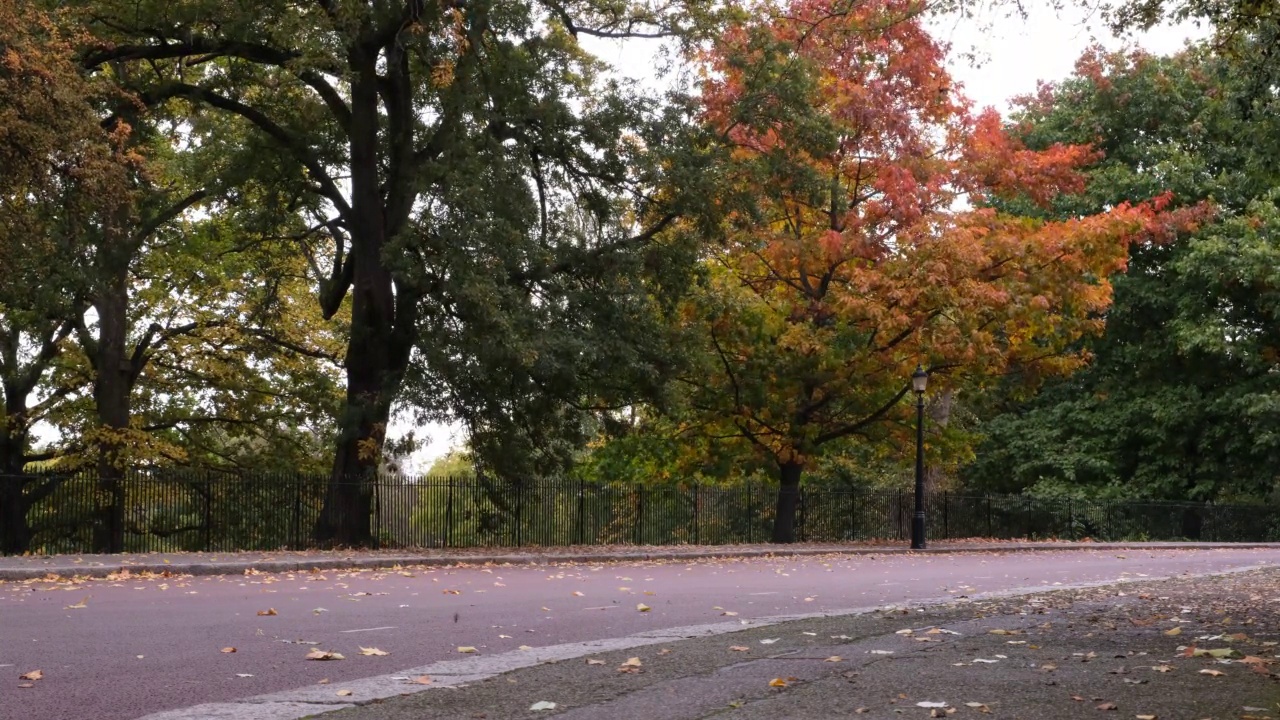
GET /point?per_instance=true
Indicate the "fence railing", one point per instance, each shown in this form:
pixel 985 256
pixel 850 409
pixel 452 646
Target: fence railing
pixel 175 511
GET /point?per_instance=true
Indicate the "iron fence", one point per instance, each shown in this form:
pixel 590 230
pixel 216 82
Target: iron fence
pixel 161 511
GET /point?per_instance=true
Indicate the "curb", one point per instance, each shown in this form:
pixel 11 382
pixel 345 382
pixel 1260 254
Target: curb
pixel 389 561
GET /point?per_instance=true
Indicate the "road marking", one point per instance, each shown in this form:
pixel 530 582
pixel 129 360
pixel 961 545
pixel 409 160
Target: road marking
pixel 388 627
pixel 763 593
pixel 602 607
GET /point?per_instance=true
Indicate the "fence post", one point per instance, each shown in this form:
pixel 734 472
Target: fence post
pixel 898 514
pixel 946 515
pixel 853 515
pixel 519 513
pixel 208 514
pixel 750 515
pixel 1071 520
pixel 376 505
pixel 989 516
pixel 639 527
pixel 696 533
pixel 804 533
pixel 448 513
pixel 297 512
pixel 582 511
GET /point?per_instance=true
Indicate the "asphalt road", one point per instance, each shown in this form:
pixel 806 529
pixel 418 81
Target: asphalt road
pixel 121 648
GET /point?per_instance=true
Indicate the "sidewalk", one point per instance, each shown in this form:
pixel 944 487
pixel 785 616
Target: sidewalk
pixel 30 567
pixel 1165 650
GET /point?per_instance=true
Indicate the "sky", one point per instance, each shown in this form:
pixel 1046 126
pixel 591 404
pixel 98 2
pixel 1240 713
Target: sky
pixel 1015 55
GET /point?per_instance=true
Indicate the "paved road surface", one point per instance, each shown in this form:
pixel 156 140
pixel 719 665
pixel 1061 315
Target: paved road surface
pixel 121 648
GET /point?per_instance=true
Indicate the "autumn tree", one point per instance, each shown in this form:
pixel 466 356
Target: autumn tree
pixel 861 241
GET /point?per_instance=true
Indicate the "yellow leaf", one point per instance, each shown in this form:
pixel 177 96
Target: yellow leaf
pixel 466 649
pixel 1214 673
pixel 777 682
pixel 576 593
pixel 729 613
pixel 1173 631
pixel 373 651
pixel 80 605
pixel 33 675
pixel 642 607
pixel 267 612
pixel 318 654
pixel 833 658
pixel 344 693
pixel 632 662
pixel 594 661
pixel 1145 717
pixel 228 649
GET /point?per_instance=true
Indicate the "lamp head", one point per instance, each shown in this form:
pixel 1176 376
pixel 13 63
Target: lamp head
pixel 919 380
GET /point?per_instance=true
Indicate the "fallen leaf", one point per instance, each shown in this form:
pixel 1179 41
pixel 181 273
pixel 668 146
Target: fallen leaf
pixel 577 593
pixel 729 613
pixel 26 685
pixel 595 661
pixel 1173 631
pixel 932 703
pixel 33 675
pixel 318 654
pixel 642 607
pixel 980 707
pixel 1252 659
pixel 373 651
pixel 421 680
pixel 466 649
pixel 777 682
pixel 525 647
pixel 739 648
pixel 1001 631
pixel 1214 673
pixel 833 658
pixel 769 641
pixel 228 649
pixel 632 662
pixel 1161 668
pixel 1145 717
pixel 344 693
pixel 324 681
pixel 80 605
pixel 244 675
pixel 450 592
pixel 543 705
pixel 1107 706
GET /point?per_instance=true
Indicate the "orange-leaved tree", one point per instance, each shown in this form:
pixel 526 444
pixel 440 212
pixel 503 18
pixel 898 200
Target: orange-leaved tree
pixel 861 237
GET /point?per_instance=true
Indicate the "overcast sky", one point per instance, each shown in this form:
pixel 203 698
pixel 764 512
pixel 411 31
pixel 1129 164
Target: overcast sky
pixel 1016 54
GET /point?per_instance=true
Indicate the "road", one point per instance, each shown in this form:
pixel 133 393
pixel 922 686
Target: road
pixel 120 648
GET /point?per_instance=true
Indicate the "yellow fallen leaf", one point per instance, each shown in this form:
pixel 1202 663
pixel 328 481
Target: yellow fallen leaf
pixel 1173 631
pixel 228 649
pixel 739 648
pixel 1002 631
pixel 421 680
pixel 344 693
pixel 642 607
pixel 525 647
pixel 833 658
pixel 373 651
pixel 777 682
pixel 1161 668
pixel 594 661
pixel 632 662
pixel 729 613
pixel 577 593
pixel 466 649
pixel 1214 673
pixel 1145 717
pixel 318 654
pixel 324 681
pixel 450 592
pixel 267 612
pixel 80 605
pixel 33 675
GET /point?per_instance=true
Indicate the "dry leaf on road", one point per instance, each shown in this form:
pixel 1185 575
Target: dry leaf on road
pixel 267 612
pixel 1108 706
pixel 739 648
pixel 33 675
pixel 543 705
pixel 373 651
pixel 421 680
pixel 642 607
pixel 228 649
pixel 344 693
pixel 777 682
pixel 1214 673
pixel 318 654
pixel 1173 631
pixel 466 649
pixel 80 605
pixel 595 661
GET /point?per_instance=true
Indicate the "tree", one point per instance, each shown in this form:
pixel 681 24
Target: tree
pixel 390 117
pixel 846 259
pixel 1178 404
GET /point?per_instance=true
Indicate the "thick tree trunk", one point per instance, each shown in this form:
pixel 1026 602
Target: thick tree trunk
pixel 381 332
pixel 15 533
pixel 784 520
pixel 939 411
pixel 112 391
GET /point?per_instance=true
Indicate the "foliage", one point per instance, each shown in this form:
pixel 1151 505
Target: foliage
pixel 1179 403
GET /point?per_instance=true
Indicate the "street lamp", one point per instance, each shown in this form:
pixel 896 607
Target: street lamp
pixel 919 380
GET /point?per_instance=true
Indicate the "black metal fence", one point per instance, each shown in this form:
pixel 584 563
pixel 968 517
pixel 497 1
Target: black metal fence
pixel 171 512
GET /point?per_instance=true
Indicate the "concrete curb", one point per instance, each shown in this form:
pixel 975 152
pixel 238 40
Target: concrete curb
pixel 69 570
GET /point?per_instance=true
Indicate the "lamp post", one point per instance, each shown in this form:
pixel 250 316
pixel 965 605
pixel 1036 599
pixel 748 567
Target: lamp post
pixel 919 380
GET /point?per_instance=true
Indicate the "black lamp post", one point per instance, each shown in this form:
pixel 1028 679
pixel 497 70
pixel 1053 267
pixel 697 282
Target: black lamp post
pixel 919 380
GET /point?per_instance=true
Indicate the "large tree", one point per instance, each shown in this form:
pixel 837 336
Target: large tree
pixel 415 132
pixel 849 257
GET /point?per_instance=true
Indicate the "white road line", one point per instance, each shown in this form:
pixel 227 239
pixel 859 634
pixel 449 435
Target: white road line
pixel 763 593
pixel 602 607
pixel 388 627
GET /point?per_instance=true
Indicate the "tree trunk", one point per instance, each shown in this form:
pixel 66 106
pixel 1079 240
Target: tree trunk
pixel 381 332
pixel 784 520
pixel 112 391
pixel 939 412
pixel 15 533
